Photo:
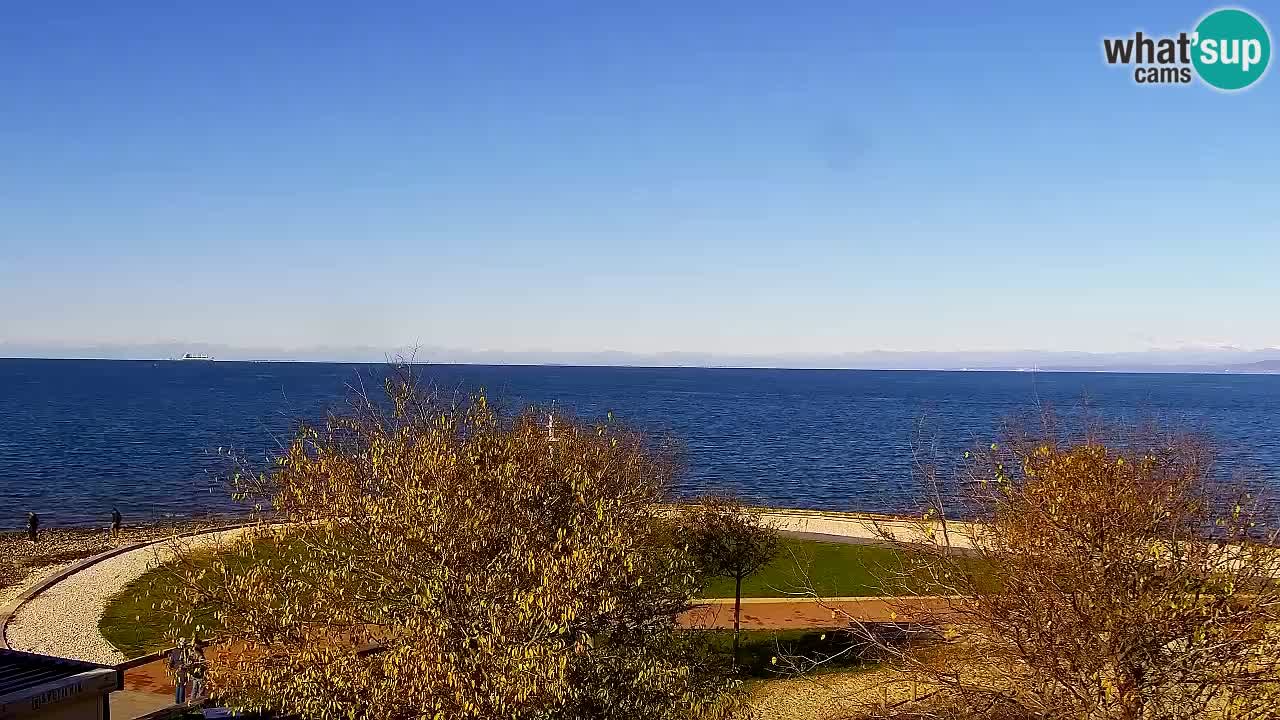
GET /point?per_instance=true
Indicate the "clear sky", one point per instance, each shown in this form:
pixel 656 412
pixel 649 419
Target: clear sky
pixel 725 177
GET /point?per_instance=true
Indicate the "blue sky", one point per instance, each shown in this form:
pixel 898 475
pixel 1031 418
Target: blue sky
pixel 738 178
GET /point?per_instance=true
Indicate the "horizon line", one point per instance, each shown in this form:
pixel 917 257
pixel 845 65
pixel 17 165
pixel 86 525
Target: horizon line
pixel 1155 369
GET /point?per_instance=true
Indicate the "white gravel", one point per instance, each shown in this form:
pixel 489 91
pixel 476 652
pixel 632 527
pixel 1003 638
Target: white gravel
pixel 35 578
pixel 63 620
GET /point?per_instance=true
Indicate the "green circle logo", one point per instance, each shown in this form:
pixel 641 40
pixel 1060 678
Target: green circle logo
pixel 1232 49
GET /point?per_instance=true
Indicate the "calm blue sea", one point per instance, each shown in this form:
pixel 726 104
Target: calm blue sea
pixel 77 437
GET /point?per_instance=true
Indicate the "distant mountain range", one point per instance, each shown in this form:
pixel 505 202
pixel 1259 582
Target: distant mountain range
pixel 1262 366
pixel 1199 360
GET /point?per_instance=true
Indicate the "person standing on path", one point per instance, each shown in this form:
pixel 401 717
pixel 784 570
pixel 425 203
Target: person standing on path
pixel 33 526
pixel 178 667
pixel 115 524
pixel 197 664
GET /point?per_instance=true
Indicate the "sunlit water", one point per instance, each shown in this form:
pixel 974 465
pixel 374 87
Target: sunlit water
pixel 77 437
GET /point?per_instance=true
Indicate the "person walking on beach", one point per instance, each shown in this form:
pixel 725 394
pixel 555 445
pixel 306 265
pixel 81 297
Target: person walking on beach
pixel 33 526
pixel 115 524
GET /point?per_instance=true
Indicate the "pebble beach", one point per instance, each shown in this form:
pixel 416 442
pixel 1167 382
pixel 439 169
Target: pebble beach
pixel 23 563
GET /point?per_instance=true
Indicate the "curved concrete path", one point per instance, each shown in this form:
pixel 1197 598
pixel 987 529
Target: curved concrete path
pixel 60 616
pixel 854 527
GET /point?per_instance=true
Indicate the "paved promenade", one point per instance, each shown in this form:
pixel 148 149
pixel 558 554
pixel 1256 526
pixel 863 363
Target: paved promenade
pixel 853 527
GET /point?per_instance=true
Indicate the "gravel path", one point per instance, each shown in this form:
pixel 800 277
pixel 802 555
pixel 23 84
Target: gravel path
pixel 31 578
pixel 63 620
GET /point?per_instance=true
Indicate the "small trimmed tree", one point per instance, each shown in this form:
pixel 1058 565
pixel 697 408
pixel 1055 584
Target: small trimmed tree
pixel 730 539
pixel 430 558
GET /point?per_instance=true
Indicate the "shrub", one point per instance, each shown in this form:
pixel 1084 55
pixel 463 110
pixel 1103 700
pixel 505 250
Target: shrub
pixel 1119 580
pixel 446 562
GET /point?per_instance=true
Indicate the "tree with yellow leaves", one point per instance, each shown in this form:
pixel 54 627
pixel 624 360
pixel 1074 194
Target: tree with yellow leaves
pixel 429 558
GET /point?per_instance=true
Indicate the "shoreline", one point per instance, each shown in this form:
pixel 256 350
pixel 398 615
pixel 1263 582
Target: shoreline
pixel 22 564
pixel 59 614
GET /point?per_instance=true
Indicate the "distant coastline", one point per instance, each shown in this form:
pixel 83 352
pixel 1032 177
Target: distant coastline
pixel 1217 359
pixel 1261 367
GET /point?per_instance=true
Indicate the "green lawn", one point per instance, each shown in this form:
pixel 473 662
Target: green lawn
pixel 133 624
pixel 835 569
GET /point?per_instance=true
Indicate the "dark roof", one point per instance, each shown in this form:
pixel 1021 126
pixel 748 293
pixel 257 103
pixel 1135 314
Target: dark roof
pixel 21 671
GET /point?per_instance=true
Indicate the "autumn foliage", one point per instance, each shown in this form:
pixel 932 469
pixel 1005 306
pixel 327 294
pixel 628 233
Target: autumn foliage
pixel 1106 580
pixel 441 561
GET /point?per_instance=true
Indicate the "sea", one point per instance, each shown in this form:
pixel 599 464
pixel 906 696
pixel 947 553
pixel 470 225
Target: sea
pixel 78 437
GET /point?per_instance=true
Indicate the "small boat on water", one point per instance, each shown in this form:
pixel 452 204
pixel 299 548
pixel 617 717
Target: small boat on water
pixel 195 356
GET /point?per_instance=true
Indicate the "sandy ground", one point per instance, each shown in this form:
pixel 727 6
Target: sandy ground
pixel 830 696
